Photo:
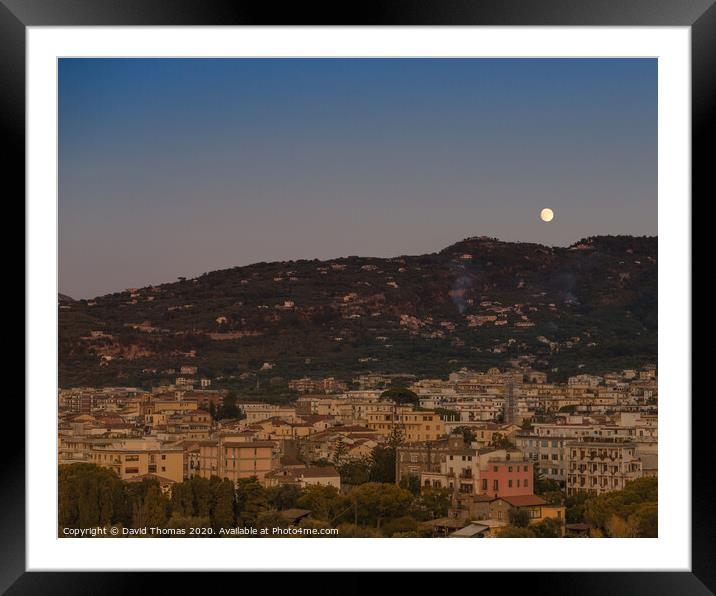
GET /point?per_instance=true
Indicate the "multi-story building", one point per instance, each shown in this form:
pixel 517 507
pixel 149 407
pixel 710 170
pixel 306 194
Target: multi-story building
pixel 549 453
pixel 412 459
pixel 416 425
pixel 505 473
pixel 601 465
pixel 256 412
pixel 235 457
pixel 472 471
pixel 130 458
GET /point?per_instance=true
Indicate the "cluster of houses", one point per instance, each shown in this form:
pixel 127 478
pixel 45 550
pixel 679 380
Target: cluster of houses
pixel 480 435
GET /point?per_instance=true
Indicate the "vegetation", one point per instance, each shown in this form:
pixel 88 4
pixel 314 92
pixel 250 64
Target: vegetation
pixel 631 512
pixel 92 496
pixel 628 513
pixel 400 395
pixel 230 322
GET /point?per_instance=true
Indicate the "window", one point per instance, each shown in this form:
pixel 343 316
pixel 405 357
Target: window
pixel 495 485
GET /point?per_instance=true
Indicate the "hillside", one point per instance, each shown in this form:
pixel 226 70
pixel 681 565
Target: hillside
pixel 477 303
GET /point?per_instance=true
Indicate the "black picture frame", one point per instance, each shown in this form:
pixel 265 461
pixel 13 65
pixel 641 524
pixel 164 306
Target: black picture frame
pixel 16 15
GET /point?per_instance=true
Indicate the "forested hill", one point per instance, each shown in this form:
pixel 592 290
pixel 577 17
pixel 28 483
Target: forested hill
pixel 480 302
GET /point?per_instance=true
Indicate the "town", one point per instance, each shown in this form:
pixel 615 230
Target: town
pixel 493 453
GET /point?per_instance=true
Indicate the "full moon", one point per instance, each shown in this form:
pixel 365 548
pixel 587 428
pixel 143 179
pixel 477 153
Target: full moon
pixel 546 214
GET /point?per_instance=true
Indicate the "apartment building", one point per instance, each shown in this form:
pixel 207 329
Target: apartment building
pixel 601 465
pixel 549 453
pixel 415 425
pixel 130 458
pixel 235 457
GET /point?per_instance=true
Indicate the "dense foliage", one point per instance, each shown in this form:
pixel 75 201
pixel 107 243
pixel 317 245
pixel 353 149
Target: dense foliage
pixel 91 496
pixel 593 308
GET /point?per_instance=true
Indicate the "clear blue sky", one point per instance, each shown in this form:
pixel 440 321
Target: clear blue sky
pixel 174 167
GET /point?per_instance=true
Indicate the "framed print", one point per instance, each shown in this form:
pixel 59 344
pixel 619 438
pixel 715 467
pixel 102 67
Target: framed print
pixel 347 292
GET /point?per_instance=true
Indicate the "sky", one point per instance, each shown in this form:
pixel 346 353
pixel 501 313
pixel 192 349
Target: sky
pixel 176 167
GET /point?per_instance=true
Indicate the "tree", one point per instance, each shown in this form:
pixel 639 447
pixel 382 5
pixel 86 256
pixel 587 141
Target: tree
pixel 179 522
pixel 382 468
pixel 396 437
pixel 283 496
pixel 400 395
pixel 340 450
pixel 224 502
pixel 324 502
pixel 355 471
pixel 645 520
pixel 271 519
pixel 154 507
pixel 519 518
pixel 431 503
pixel 630 511
pixel 411 482
pixel 251 500
pixel 90 495
pixel 374 502
pixel 468 435
pixel 400 525
pixel 229 409
pixel 548 528
pixel 500 441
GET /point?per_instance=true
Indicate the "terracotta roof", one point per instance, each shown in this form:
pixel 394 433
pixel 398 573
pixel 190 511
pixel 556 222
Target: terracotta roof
pixel 523 500
pixel 253 444
pixel 318 472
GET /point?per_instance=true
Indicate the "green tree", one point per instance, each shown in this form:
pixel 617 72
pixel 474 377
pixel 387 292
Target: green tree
pixel 431 503
pixel 340 450
pixel 89 496
pixel 251 500
pixel 375 503
pixel 324 502
pixel 229 409
pixel 548 528
pixel 382 468
pixel 500 441
pixel 411 482
pixel 400 525
pixel 154 507
pixel 224 504
pixel 520 518
pixel 271 519
pixel 355 472
pixel 178 522
pixel 283 496
pixel 400 395
pixel 645 520
pixel 515 532
pixel 625 512
pixel 468 435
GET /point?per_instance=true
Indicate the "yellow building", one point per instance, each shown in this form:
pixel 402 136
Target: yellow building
pixel 234 457
pixel 136 457
pixel 416 425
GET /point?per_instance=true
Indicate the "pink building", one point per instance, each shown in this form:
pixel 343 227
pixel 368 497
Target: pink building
pixel 506 476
